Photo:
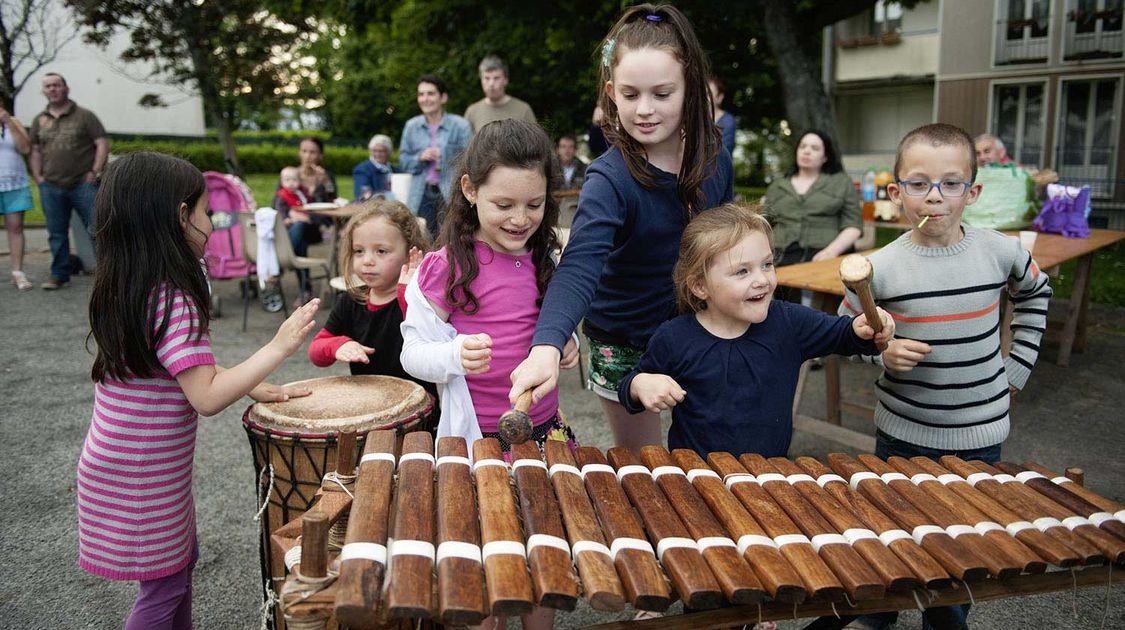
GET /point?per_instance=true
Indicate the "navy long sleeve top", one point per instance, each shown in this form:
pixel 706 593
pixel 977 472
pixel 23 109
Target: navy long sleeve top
pixel 740 391
pixel 616 271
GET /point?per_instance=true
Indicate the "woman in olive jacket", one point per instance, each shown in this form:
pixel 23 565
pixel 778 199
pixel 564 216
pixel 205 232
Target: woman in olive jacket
pixel 814 209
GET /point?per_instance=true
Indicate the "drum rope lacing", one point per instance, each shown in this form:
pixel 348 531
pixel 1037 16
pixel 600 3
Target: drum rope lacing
pixel 264 500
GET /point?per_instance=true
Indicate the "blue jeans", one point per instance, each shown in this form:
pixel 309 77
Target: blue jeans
pixel 956 616
pixel 429 208
pixel 301 235
pixel 58 203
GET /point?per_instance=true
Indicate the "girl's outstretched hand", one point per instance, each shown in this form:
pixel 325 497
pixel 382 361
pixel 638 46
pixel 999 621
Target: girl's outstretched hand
pixel 656 392
pixel 268 392
pixel 538 372
pixel 293 331
pixel 863 330
pixel 569 355
pixel 354 352
pixel 414 259
pixel 476 353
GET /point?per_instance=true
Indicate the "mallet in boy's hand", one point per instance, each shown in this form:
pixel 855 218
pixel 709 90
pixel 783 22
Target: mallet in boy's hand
pixel 856 272
pixel 515 424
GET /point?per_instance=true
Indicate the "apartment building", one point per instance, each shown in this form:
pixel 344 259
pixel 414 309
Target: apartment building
pixel 1046 76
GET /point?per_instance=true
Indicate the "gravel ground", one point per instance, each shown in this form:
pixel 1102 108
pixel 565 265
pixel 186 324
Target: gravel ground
pixel 1065 418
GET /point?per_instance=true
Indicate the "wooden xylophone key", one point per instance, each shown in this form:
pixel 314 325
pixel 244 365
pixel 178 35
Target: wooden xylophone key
pixel 410 571
pixel 894 574
pixel 1027 507
pixel 675 550
pixel 633 556
pixel 1109 545
pixel 591 554
pixel 548 553
pixel 504 555
pixel 363 558
pixel 994 533
pixel 1070 485
pixel 999 563
pixel 1040 483
pixel 955 557
pixel 927 570
pixel 1045 546
pixel 858 578
pixel 819 580
pixel 460 592
pixel 772 569
pixel 737 581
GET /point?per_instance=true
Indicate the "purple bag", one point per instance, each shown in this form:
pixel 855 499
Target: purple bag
pixel 1065 215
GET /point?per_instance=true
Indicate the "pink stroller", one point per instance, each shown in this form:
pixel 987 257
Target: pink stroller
pixel 226 196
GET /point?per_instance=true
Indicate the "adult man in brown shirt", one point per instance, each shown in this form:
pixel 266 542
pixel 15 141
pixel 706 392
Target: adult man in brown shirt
pixel 68 152
pixel 497 104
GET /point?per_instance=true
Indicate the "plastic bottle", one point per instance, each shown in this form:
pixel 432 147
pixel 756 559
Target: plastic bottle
pixel 868 195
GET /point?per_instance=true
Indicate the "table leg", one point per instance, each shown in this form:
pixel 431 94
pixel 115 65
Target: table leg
pixel 824 303
pixel 1074 312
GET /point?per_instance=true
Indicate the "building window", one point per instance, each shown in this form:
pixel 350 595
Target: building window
pixel 1093 29
pixel 1017 119
pixel 885 18
pixel 1087 137
pixel 1021 31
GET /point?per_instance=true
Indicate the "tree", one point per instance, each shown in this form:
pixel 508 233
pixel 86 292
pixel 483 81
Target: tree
pixel 232 52
pixel 793 31
pixel 31 36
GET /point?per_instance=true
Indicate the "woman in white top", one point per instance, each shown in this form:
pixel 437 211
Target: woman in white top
pixel 15 191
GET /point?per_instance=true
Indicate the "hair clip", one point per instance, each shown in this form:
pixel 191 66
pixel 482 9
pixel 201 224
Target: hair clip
pixel 607 52
pixel 652 17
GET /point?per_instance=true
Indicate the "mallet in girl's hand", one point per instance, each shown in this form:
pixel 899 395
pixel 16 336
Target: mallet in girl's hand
pixel 856 273
pixel 515 424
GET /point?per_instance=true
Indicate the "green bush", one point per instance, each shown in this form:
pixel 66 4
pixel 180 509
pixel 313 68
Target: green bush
pixel 255 158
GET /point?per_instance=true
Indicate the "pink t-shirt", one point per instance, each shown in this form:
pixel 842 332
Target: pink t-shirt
pixel 507 293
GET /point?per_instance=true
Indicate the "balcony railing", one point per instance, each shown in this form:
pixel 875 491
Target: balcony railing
pixel 1021 41
pixel 1093 35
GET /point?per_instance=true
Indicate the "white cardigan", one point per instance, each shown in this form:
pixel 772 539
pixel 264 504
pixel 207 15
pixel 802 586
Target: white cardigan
pixel 431 351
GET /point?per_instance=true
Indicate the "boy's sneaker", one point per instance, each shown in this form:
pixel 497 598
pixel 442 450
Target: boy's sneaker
pixel 53 284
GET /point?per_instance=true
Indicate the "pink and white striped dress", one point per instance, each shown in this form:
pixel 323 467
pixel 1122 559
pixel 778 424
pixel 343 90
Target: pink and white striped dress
pixel 136 515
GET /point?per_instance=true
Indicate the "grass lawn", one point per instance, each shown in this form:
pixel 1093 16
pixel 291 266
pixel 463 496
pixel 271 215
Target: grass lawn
pixel 263 186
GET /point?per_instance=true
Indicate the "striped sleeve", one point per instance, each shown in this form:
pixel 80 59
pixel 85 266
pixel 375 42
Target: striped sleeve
pixel 183 345
pixel 1030 292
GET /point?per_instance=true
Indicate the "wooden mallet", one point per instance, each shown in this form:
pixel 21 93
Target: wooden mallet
pixel 515 424
pixel 856 273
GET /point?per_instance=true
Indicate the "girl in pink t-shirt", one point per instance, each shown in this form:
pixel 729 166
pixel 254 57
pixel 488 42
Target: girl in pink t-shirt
pixel 486 282
pixel 153 375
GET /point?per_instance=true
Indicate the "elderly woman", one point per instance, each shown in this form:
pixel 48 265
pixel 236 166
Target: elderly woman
pixel 814 209
pixel 373 175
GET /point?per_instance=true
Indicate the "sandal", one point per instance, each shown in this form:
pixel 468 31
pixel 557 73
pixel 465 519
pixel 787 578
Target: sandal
pixel 19 279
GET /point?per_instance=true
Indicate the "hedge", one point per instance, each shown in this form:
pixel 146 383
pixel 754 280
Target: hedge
pixel 256 158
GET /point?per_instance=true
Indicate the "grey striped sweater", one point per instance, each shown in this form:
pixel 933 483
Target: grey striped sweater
pixel 949 297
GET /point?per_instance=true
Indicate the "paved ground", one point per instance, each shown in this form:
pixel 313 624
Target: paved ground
pixel 1066 417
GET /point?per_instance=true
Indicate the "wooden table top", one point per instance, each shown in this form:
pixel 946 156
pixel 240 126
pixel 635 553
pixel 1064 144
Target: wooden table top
pixel 1049 250
pixel 340 212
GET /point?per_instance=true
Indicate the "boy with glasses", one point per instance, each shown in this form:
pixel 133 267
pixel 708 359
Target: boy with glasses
pixel 945 388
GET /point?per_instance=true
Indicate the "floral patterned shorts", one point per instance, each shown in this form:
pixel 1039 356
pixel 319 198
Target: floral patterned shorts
pixel 557 428
pixel 609 363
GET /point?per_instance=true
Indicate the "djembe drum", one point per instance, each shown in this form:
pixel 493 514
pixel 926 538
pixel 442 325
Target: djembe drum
pixel 294 442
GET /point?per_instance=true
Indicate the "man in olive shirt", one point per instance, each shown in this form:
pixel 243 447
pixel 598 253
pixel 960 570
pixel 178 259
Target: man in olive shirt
pixel 497 104
pixel 68 152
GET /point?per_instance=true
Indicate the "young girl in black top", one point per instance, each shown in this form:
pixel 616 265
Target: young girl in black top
pixel 380 248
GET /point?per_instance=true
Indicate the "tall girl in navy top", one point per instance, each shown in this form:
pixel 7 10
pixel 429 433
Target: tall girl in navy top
pixel 666 165
pixel 728 368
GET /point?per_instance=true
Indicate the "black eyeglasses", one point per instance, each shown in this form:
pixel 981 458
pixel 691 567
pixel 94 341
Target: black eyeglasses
pixel 922 187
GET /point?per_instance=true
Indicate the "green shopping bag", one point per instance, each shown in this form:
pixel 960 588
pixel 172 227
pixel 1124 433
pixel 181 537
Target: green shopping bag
pixel 1006 197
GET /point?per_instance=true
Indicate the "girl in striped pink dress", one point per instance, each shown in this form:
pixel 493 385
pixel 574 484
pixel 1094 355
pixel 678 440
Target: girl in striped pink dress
pixel 153 375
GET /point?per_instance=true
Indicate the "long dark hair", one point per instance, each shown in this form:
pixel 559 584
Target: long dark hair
pixel 664 27
pixel 514 144
pixel 143 261
pixel 832 163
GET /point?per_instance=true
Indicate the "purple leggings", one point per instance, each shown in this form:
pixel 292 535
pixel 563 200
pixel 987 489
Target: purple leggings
pixel 164 603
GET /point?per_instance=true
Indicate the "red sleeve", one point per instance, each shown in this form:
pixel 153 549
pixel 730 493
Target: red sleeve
pixel 322 350
pixel 402 299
